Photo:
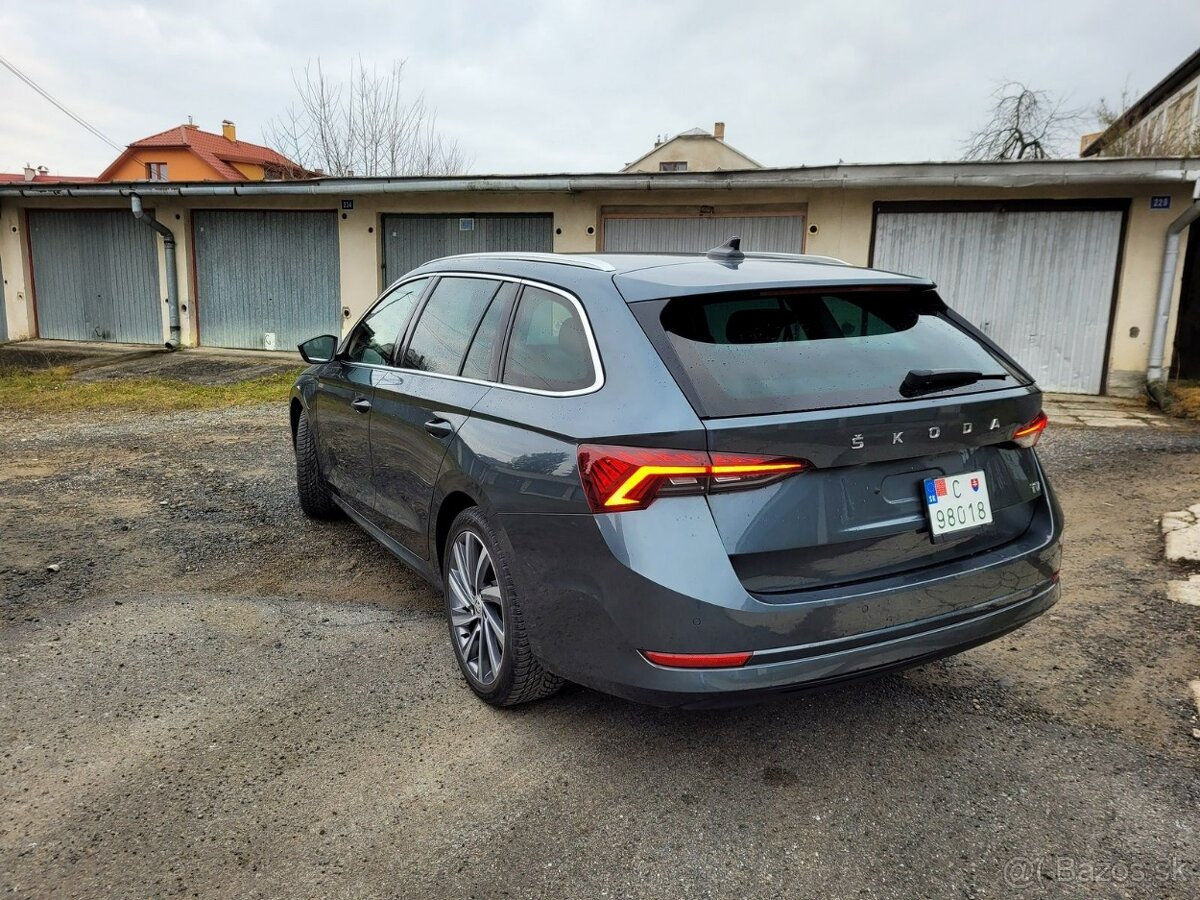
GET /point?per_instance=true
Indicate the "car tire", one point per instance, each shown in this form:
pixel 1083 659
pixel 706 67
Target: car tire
pixel 315 497
pixel 481 595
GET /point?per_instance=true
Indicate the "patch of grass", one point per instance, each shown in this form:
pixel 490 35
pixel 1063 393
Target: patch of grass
pixel 53 390
pixel 1183 399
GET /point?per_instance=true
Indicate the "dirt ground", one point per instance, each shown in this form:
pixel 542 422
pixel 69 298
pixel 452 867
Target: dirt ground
pixel 212 696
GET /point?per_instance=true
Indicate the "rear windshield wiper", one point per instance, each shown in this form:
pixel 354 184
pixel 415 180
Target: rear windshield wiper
pixel 925 381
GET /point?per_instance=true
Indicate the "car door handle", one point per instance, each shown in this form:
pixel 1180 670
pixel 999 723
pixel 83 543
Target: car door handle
pixel 361 404
pixel 439 428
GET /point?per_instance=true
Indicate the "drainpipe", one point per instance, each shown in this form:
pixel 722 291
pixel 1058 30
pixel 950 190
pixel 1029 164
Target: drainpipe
pixel 172 272
pixel 1156 371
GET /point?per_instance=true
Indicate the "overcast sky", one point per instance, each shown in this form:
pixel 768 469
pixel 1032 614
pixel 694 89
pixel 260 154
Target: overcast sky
pixel 581 86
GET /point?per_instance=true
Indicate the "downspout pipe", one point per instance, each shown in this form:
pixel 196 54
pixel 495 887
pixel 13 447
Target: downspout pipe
pixel 1156 371
pixel 172 269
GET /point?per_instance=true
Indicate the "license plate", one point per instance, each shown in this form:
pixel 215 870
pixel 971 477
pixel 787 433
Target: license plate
pixel 956 503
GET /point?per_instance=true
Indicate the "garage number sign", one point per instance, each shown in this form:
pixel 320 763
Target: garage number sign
pixel 1160 201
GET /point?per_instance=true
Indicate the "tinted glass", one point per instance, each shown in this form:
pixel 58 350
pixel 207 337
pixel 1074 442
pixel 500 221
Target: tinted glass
pixel 447 324
pixel 373 339
pixel 478 363
pixel 548 349
pixel 754 354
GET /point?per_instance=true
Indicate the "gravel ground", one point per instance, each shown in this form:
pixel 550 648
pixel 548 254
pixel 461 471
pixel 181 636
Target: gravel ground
pixel 214 697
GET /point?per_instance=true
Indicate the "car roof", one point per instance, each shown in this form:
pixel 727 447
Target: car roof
pixel 646 276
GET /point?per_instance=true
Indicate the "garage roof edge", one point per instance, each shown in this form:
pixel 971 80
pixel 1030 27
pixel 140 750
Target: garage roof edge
pixel 1026 173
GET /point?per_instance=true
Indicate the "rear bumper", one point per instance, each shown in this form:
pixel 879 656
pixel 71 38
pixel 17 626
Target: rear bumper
pixel 597 590
pixel 818 666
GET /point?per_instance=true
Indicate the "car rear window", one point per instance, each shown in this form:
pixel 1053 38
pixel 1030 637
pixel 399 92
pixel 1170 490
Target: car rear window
pixel 739 354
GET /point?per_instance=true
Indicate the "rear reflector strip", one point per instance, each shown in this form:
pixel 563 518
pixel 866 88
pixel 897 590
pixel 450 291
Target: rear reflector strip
pixel 697 660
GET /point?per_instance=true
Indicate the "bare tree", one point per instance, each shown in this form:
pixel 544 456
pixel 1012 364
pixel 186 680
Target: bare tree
pixel 365 125
pixel 1166 131
pixel 1024 124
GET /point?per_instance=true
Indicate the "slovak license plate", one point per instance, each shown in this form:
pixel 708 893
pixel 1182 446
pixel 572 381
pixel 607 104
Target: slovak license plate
pixel 956 503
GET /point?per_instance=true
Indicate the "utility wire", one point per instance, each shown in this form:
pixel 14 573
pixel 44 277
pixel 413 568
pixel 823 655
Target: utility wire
pixel 37 87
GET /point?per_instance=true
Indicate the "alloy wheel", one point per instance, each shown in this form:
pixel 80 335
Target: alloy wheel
pixel 476 610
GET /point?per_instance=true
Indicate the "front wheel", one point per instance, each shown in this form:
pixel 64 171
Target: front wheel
pixel 486 628
pixel 311 487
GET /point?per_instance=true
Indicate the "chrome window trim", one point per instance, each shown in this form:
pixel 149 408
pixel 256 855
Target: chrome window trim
pixel 593 348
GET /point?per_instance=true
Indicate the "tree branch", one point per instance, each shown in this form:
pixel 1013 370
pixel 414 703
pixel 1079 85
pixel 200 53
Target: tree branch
pixel 365 125
pixel 1022 124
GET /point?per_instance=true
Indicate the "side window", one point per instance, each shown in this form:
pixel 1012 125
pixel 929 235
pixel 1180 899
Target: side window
pixel 373 339
pixel 548 349
pixel 478 364
pixel 447 322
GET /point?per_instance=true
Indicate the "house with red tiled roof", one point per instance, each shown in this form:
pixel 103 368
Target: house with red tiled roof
pixel 40 175
pixel 185 153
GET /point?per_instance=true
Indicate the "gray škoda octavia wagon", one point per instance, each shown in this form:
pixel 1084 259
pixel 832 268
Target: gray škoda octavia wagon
pixel 685 479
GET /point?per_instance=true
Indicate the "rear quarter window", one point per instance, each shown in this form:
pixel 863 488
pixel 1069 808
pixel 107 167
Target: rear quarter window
pixel 738 354
pixel 548 349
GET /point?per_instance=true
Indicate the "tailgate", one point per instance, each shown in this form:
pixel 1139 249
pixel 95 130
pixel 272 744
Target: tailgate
pixel 860 511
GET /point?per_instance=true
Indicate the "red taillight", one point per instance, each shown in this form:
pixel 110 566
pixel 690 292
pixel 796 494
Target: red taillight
pixel 630 477
pixel 697 660
pixel 621 478
pixel 1027 435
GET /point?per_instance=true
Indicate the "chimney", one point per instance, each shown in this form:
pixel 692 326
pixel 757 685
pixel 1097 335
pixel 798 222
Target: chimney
pixel 29 172
pixel 719 130
pixel 229 130
pixel 42 170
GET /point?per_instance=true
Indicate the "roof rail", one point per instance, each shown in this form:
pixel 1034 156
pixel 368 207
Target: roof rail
pixel 561 259
pixel 797 257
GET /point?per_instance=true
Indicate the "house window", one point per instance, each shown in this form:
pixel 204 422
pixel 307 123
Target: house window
pixel 673 166
pixel 156 171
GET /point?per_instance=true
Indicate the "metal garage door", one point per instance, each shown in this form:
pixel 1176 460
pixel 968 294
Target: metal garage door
pixel 693 234
pixel 1037 281
pixel 409 241
pixel 266 279
pixel 95 276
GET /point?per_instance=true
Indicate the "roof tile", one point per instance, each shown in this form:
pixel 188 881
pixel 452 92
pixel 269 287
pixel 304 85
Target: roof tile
pixel 19 178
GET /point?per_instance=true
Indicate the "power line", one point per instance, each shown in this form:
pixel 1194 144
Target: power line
pixel 37 87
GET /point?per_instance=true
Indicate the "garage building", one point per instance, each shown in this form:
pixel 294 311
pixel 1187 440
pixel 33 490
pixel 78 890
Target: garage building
pixel 1061 261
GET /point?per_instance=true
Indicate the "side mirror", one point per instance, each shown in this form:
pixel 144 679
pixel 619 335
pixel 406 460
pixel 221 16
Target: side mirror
pixel 319 349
